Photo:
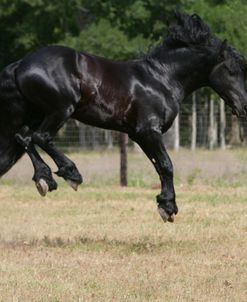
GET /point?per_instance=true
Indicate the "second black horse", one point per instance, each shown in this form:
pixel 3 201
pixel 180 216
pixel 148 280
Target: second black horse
pixel 141 97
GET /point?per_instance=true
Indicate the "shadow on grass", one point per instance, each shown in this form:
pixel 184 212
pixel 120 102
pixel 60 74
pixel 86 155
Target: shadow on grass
pixel 104 244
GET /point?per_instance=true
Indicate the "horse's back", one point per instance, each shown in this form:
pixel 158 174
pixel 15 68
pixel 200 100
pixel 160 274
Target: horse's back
pixel 49 77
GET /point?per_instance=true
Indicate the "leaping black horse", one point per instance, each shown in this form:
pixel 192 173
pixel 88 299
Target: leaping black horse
pixel 141 97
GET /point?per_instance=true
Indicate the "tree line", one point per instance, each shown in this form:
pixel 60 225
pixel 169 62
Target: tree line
pixel 118 29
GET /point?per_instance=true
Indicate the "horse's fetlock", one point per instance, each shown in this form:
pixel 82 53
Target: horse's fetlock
pixel 165 198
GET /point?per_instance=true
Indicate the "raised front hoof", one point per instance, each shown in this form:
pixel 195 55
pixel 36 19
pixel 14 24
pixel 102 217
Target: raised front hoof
pixel 43 186
pixel 74 185
pixel 167 208
pixel 165 216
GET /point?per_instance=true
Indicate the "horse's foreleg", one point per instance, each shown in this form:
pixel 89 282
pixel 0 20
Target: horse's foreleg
pixel 151 143
pixel 42 173
pixel 43 138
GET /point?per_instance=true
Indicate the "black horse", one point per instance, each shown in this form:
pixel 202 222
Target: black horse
pixel 141 97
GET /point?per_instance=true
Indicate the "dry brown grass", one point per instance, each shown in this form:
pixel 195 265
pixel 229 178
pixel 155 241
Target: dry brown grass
pixel 105 243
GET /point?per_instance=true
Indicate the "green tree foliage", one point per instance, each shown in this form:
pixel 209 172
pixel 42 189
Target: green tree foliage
pixel 116 29
pixel 102 39
pixel 121 29
pixel 28 24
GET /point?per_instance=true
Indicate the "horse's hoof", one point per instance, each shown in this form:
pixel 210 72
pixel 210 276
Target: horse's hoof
pixel 166 217
pixel 74 185
pixel 42 187
pixel 171 218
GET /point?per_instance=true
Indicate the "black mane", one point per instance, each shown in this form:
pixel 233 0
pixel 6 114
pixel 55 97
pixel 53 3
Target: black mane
pixel 188 30
pixel 239 62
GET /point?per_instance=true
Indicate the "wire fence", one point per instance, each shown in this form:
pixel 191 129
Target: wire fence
pixel 204 126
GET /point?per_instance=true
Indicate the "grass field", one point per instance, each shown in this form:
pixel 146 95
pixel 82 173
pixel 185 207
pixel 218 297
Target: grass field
pixel 106 243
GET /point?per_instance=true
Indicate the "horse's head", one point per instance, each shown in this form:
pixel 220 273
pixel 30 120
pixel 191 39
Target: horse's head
pixel 225 65
pixel 227 78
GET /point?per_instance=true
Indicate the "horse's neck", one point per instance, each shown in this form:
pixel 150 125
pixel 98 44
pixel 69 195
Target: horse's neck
pixel 187 69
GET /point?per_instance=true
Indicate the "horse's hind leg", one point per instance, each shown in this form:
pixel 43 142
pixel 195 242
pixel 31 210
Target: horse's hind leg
pixel 66 168
pixel 43 138
pixel 42 173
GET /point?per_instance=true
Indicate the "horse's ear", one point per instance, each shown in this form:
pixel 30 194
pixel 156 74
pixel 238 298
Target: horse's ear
pixel 222 54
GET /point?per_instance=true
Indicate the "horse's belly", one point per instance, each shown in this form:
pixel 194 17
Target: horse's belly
pixel 95 116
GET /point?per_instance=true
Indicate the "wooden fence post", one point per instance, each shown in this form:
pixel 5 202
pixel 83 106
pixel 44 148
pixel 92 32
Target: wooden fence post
pixel 212 125
pixel 193 122
pixel 222 125
pixel 123 141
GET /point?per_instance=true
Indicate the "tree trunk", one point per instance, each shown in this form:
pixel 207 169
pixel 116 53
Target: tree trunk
pixel 193 122
pixel 123 140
